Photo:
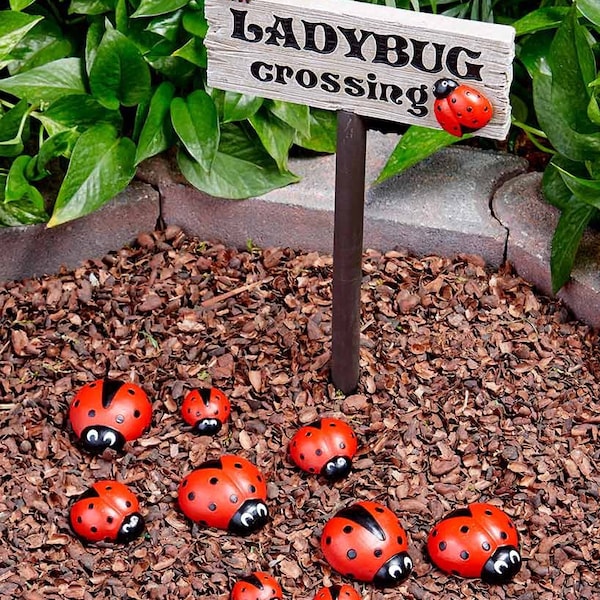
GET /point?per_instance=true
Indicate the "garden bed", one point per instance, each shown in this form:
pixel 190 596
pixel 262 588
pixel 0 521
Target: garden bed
pixel 472 388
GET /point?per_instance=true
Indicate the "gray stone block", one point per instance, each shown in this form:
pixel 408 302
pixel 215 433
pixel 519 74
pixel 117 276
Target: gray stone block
pixel 36 250
pixel 531 221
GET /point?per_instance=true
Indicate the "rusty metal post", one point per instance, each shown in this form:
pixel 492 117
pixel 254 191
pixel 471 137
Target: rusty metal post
pixel 347 249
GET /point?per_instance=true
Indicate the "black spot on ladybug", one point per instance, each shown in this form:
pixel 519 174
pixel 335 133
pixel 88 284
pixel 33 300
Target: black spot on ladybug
pixel 318 452
pixel 128 504
pixel 332 424
pixel 348 529
pixel 351 554
pixel 302 456
pixel 464 555
pixel 485 108
pixel 120 419
pixel 486 546
pixel 342 445
pixel 213 480
pixel 400 540
pixel 212 507
pixel 464 529
pixel 109 519
pixel 91 506
pixel 377 552
pixel 434 533
pixel 79 520
pixel 308 433
pixel 238 465
pixel 233 498
pixel 453 100
pixel 91 413
pixel 191 496
pixel 439 108
pixel 459 114
pixel 487 512
pixel 216 411
pixel 252 488
pixel 442 546
pixel 136 413
pixel 503 535
pixel 259 478
pixel 76 403
pixel 379 509
pixel 185 482
pixel 93 529
pixel 470 109
pixel 328 540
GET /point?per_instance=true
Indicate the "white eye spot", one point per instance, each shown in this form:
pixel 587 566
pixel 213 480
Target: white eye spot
pixel 395 572
pixel 500 567
pixel 247 519
pixel 408 563
pixel 341 462
pixel 110 438
pixel 514 557
pixel 131 524
pixel 92 436
pixel 261 510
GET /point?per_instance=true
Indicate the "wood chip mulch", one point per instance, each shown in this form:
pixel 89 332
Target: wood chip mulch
pixel 473 388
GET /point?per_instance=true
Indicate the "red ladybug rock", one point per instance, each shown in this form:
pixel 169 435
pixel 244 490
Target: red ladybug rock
pixel 229 493
pixel 107 511
pixel 326 446
pixel 459 108
pixel 206 410
pixel 107 413
pixel 477 541
pixel 257 586
pixel 367 542
pixel 337 592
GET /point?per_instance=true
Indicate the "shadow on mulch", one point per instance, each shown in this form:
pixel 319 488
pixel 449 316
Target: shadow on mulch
pixel 472 389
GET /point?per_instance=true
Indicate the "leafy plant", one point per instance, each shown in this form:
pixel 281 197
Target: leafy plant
pixel 94 87
pixel 556 102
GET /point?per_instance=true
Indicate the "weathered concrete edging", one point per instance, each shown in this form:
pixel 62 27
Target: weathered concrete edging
pixel 460 200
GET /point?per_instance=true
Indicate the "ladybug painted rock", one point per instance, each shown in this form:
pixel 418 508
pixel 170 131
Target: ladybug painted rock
pixel 108 511
pixel 367 542
pixel 257 586
pixel 337 592
pixel 107 413
pixel 206 410
pixel 477 541
pixel 229 493
pixel 460 109
pixel 326 446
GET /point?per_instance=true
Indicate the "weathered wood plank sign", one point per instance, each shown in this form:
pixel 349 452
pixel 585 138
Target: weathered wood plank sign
pixel 343 55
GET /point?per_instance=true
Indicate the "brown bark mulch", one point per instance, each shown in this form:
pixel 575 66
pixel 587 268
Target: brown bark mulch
pixel 473 388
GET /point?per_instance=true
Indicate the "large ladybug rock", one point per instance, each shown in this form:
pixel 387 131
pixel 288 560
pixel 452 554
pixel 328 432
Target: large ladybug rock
pixel 367 542
pixel 206 410
pixel 229 493
pixel 326 447
pixel 108 511
pixel 107 413
pixel 478 541
pixel 337 592
pixel 256 586
pixel 459 108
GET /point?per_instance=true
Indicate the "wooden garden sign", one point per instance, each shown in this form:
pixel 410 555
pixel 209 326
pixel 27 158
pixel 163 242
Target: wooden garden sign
pixel 358 59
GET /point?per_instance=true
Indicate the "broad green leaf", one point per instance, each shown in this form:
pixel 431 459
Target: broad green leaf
pixel 415 145
pixel 295 115
pixel 593 110
pixel 20 4
pixel 79 111
pixel 93 39
pixel 157 132
pixel 119 75
pixel 323 132
pixel 549 17
pixel 166 26
pixel 152 8
pixel 554 188
pixel 565 241
pixel 91 7
pixel 57 145
pixel 276 136
pixel 101 166
pixel 13 129
pixel 196 123
pixel 13 28
pixel 195 22
pixel 585 190
pixel 534 50
pixel 21 213
pixel 19 188
pixel 237 107
pixel 46 83
pixel 194 52
pixel 44 43
pixel 591 10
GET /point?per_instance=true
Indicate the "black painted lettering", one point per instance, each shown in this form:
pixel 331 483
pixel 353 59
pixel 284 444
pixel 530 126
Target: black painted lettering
pixel 282 30
pixel 283 73
pixel 372 86
pixel 330 82
pixel 418 98
pixel 396 95
pixel 328 35
pixel 389 49
pixel 354 43
pixel 354 87
pixel 471 71
pixel 306 79
pixel 418 51
pixel 261 71
pixel 239 27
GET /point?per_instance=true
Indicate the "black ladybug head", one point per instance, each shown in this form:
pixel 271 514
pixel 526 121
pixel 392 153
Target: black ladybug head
pixel 502 566
pixel 336 468
pixel 208 426
pixel 97 438
pixel 442 88
pixel 394 571
pixel 132 527
pixel 250 517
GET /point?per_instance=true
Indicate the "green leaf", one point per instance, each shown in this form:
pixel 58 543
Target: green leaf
pixel 157 132
pixel 166 26
pixel 57 145
pixel 554 188
pixel 195 22
pixel 91 7
pixel 238 107
pixel 565 241
pixel 585 190
pixel 196 123
pixel 241 169
pixel 119 75
pixel 24 212
pixel 79 111
pixel 13 129
pixel 194 52
pixel 323 132
pixel 549 17
pixel 101 166
pixel 295 115
pixel 415 145
pixel 151 8
pixel 19 188
pixel 20 4
pixel 593 110
pixel 46 83
pixel 591 10
pixel 276 136
pixel 93 39
pixel 13 28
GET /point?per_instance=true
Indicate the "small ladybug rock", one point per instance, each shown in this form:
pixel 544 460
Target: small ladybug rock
pixel 206 410
pixel 477 541
pixel 367 542
pixel 460 109
pixel 107 413
pixel 257 586
pixel 229 493
pixel 326 446
pixel 107 511
pixel 337 592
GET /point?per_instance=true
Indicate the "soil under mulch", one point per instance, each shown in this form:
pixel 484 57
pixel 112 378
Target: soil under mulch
pixel 472 388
